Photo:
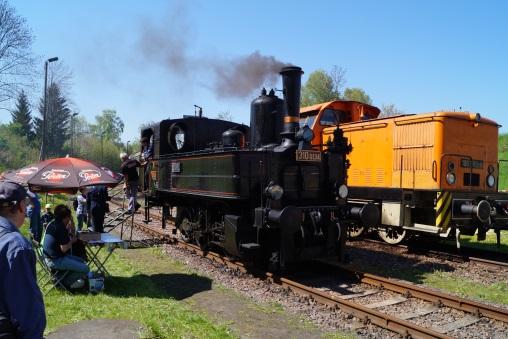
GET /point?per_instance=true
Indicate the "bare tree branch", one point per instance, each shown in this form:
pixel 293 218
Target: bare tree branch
pixel 16 58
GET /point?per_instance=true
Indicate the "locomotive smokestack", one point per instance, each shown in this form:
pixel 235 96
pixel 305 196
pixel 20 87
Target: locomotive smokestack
pixel 291 82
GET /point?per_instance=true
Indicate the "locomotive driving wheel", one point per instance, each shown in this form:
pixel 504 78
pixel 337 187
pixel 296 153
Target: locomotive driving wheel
pixel 191 227
pixel 355 231
pixel 392 235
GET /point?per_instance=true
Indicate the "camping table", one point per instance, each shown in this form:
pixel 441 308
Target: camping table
pixel 94 247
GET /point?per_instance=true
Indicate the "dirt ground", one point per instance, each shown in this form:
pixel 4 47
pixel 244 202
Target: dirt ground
pixel 244 317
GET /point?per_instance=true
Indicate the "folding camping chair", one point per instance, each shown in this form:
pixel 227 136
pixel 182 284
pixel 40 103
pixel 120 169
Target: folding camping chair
pixel 46 276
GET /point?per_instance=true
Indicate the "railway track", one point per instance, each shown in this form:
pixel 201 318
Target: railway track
pixel 466 254
pixel 351 298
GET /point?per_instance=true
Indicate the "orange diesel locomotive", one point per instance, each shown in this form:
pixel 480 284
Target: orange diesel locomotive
pixel 434 173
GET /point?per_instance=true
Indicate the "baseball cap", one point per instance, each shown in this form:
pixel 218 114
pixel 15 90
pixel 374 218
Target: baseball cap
pixel 47 206
pixel 11 193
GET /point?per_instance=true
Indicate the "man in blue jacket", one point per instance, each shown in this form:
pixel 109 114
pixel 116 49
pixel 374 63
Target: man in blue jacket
pixel 22 313
pixel 34 213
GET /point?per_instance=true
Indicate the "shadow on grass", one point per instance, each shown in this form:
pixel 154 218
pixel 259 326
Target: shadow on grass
pixel 174 285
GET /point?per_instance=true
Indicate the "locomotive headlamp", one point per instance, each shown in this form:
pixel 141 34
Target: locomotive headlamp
pixel 343 191
pixel 275 192
pixel 450 178
pixel 491 180
pixel 490 169
pixel 305 133
pixel 451 166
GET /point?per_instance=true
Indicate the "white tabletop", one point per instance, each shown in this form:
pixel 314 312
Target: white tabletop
pixel 106 238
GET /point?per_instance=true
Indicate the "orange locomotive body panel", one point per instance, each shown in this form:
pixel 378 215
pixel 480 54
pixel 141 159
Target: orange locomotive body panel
pixel 415 151
pixel 432 172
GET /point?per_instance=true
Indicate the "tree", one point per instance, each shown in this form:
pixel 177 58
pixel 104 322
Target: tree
pixel 108 126
pixel 389 110
pixel 15 151
pixel 16 58
pixel 58 117
pixel 357 94
pixel 22 116
pixel 320 87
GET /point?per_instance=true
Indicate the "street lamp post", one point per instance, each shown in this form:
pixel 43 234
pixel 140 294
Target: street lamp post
pixel 42 155
pixel 102 147
pixel 72 132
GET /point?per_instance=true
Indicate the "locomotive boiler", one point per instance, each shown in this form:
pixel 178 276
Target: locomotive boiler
pixel 258 191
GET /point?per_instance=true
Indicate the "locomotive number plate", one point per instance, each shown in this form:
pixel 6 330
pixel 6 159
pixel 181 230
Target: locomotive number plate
pixel 471 163
pixel 303 155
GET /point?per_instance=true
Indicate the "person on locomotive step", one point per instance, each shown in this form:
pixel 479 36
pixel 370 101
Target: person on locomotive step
pixel 33 212
pixel 59 239
pixel 147 154
pixel 129 169
pixel 97 206
pixel 48 216
pixel 22 313
pixel 81 211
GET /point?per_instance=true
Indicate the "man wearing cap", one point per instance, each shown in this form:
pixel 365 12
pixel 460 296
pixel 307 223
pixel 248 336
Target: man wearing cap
pixel 22 312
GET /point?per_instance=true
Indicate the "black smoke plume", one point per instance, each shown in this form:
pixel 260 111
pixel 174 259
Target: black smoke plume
pixel 168 45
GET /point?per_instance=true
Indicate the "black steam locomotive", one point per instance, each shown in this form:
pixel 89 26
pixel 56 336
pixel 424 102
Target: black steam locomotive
pixel 273 198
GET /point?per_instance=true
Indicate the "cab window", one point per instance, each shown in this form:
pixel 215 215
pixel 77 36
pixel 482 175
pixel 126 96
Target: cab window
pixel 308 120
pixel 328 118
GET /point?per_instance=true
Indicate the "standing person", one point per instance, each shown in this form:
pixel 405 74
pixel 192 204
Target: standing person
pixel 96 202
pixel 129 169
pixel 34 213
pixel 48 216
pixel 59 238
pixel 147 155
pixel 81 211
pixel 22 312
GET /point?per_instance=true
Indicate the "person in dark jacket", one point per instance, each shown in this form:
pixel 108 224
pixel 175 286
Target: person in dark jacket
pixel 129 169
pixel 22 313
pixel 58 242
pixel 48 216
pixel 33 212
pixel 96 203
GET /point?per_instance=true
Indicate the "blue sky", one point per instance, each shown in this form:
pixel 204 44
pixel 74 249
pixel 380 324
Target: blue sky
pixel 421 56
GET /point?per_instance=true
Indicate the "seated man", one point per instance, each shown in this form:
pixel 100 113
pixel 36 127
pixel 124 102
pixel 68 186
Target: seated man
pixel 59 238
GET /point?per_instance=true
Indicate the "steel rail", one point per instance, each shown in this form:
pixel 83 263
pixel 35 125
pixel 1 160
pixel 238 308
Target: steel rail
pixel 364 313
pixel 452 256
pixel 436 297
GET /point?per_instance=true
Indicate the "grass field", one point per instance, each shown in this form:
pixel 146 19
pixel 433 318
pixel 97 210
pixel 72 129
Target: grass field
pixel 133 293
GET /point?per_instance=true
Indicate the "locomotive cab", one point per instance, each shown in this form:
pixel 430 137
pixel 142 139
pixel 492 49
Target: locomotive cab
pixel 320 116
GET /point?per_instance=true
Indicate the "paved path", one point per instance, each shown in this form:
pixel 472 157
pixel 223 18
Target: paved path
pixel 98 329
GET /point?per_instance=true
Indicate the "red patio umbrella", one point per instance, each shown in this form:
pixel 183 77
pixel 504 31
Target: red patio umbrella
pixel 63 175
